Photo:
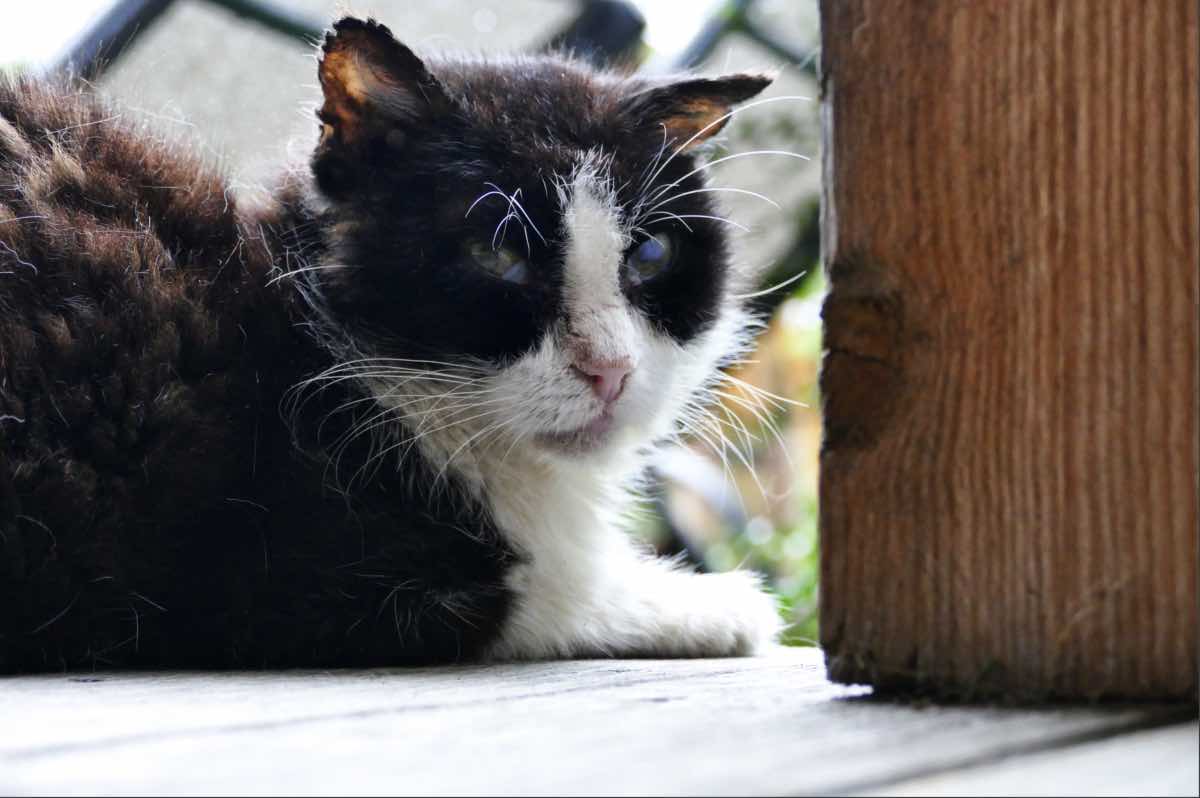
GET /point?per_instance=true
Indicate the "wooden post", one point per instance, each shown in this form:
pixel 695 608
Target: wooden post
pixel 1009 467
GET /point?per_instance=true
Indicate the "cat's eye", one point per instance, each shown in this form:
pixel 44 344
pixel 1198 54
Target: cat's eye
pixel 502 262
pixel 650 258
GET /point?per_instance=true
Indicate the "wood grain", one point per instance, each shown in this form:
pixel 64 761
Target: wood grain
pixel 1009 468
pixel 764 726
pixel 1162 761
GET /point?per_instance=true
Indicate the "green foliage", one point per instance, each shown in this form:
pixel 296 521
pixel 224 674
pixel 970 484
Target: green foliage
pixel 782 540
pixel 779 535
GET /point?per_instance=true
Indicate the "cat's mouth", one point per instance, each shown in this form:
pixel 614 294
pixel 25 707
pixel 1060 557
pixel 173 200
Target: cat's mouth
pixel 591 436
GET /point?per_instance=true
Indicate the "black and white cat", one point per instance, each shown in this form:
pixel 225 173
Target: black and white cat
pixel 500 284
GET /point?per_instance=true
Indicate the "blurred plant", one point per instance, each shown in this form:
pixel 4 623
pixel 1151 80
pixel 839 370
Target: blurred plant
pixel 774 528
pixel 758 508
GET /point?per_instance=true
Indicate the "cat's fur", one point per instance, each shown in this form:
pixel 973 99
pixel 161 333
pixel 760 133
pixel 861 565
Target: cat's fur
pixel 311 434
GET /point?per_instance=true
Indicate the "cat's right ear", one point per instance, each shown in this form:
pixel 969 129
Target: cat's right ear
pixel 372 86
pixel 690 111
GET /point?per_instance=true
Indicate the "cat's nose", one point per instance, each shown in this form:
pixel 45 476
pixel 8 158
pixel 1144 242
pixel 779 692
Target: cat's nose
pixel 607 377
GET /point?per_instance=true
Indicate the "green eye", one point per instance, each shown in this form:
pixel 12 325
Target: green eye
pixel 502 263
pixel 650 258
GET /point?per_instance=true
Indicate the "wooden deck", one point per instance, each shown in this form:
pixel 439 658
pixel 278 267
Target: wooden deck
pixel 771 725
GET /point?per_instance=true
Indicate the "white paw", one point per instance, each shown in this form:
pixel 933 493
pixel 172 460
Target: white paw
pixel 652 611
pixel 730 615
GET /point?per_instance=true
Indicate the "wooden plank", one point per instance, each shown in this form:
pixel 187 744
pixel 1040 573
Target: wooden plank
pixel 64 712
pixel 1158 762
pixel 770 725
pixel 1009 472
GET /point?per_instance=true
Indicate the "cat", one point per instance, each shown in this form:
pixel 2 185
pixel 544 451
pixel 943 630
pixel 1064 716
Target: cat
pixel 394 415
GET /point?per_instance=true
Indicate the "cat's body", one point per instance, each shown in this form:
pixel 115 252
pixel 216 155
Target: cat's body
pixel 295 436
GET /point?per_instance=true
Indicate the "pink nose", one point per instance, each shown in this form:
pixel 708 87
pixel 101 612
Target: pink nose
pixel 607 377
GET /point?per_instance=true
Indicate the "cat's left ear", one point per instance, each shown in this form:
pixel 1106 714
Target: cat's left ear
pixel 693 110
pixel 371 83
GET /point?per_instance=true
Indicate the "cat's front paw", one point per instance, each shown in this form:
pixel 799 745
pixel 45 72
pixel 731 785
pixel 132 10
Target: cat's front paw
pixel 731 616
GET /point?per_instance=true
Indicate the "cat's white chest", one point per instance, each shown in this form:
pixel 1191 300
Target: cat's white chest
pixel 566 546
pixel 584 588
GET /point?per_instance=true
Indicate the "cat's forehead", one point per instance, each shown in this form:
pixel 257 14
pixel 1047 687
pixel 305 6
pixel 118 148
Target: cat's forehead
pixel 546 90
pixel 538 115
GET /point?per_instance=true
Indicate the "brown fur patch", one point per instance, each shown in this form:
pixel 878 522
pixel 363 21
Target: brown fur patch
pixel 692 111
pixel 12 143
pixel 691 118
pixel 366 73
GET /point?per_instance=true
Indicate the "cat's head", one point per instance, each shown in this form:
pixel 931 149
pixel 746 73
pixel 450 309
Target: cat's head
pixel 522 249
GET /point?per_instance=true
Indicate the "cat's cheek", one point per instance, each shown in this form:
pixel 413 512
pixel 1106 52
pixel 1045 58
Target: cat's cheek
pixel 674 375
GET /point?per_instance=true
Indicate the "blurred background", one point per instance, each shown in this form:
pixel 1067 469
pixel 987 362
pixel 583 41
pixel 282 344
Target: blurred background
pixel 238 79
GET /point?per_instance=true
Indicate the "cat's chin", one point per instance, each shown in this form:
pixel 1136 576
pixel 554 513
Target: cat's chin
pixel 594 436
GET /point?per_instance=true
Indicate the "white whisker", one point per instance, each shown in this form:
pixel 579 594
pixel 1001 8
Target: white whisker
pixel 776 287
pixel 516 203
pixel 482 197
pixel 710 164
pixel 303 269
pixel 681 217
pixel 715 190
pixel 721 120
pixel 669 215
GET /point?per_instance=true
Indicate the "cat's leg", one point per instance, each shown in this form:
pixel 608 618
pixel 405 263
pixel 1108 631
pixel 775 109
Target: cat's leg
pixel 615 601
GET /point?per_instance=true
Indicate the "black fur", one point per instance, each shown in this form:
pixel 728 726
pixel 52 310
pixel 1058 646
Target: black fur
pixel 514 123
pixel 155 508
